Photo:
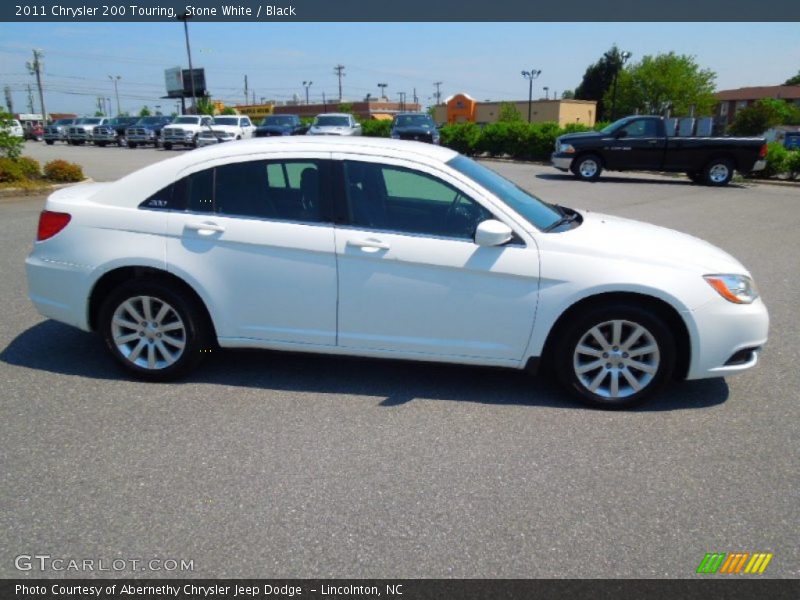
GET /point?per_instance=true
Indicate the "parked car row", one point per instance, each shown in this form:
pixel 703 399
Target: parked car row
pixel 203 130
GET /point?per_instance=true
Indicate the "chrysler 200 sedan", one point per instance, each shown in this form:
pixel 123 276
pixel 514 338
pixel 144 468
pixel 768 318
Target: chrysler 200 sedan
pixel 385 248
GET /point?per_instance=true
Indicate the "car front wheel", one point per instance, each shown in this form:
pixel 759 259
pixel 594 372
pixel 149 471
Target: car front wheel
pixel 155 332
pixel 616 357
pixel 587 167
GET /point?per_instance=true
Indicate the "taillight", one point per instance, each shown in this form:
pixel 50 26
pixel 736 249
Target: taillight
pixel 763 152
pixel 50 223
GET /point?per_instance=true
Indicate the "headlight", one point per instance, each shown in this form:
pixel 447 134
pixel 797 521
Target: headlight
pixel 566 148
pixel 738 289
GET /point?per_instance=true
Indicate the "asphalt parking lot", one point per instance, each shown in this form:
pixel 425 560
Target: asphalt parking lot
pixel 270 464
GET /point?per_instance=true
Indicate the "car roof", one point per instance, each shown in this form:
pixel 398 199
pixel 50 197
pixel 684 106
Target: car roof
pixel 334 115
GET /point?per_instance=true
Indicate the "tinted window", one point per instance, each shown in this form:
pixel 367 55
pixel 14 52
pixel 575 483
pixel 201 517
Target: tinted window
pixel 172 197
pixel 331 121
pixel 200 191
pixel 241 189
pixel 641 128
pixel 398 199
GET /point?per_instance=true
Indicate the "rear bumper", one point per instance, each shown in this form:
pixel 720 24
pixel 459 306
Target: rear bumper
pixel 59 290
pixel 560 161
pixel 760 165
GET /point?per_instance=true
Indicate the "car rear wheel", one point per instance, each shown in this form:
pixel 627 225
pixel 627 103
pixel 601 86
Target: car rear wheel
pixel 587 167
pixel 155 332
pixel 718 172
pixel 49 142
pixel 615 357
pixel 132 145
pixel 167 145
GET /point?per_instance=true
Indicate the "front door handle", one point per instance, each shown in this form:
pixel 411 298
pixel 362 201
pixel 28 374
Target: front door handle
pixel 205 228
pixel 369 244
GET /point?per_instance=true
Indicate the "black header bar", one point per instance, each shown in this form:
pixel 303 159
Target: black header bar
pixel 403 11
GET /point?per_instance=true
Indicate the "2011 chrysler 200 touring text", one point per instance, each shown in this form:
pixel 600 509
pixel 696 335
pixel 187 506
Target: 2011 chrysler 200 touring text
pixel 385 248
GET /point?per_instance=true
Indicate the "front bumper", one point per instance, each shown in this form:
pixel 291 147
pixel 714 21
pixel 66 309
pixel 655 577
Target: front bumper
pixel 211 141
pixel 561 161
pixel 104 137
pixel 186 139
pixel 721 331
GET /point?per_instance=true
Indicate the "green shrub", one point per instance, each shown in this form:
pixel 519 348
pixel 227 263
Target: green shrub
pixel 375 128
pixel 10 170
pixel 461 137
pixel 61 170
pixel 792 163
pixel 10 146
pixel 575 128
pixel 30 167
pixel 494 139
pixel 776 160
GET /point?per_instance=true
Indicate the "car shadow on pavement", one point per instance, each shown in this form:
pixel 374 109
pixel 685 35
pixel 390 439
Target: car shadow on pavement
pixel 397 382
pixel 680 180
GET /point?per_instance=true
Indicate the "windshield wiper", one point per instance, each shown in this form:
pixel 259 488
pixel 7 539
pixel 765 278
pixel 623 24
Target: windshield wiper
pixel 567 218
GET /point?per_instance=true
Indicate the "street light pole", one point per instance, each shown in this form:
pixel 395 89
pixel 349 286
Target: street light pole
pixel 185 18
pixel 116 92
pixel 624 56
pixel 307 84
pixel 530 76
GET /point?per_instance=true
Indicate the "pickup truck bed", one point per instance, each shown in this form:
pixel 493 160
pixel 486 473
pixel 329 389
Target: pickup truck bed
pixel 641 144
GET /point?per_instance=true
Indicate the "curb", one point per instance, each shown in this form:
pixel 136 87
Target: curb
pixel 37 191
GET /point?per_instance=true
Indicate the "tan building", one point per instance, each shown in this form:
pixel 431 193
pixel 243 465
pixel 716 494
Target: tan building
pixel 461 109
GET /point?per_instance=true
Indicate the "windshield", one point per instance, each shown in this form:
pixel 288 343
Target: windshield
pixel 88 121
pixel 283 121
pixel 186 121
pixel 538 213
pixel 64 122
pixel 413 121
pixel 226 120
pixel 332 122
pixel 151 120
pixel 615 125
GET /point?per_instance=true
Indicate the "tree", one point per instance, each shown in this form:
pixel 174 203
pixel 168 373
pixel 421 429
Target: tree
pixel 793 80
pixel 598 78
pixel 145 112
pixel 762 115
pixel 509 113
pixel 567 95
pixel 204 106
pixel 665 82
pixel 346 107
pixel 99 113
pixel 10 146
pixel 229 110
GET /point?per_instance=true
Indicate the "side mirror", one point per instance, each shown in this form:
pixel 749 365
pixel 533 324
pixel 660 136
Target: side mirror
pixel 621 134
pixel 493 233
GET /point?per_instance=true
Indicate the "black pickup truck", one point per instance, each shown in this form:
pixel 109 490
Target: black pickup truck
pixel 641 143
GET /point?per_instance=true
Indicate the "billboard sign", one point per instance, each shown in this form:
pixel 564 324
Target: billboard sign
pixel 174 80
pixel 179 84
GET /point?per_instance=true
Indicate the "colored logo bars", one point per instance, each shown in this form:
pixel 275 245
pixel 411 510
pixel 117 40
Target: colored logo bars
pixel 734 562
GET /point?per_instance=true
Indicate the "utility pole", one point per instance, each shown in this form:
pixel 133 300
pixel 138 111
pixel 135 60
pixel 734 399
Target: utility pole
pixel 116 92
pixel 35 67
pixel 339 70
pixel 324 103
pixel 246 93
pixel 185 18
pixel 9 99
pixel 438 92
pixel 415 95
pixel 402 100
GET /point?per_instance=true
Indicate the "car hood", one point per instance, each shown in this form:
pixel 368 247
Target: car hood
pixel 224 129
pixel 333 128
pixel 415 129
pixel 273 127
pixel 582 136
pixel 625 239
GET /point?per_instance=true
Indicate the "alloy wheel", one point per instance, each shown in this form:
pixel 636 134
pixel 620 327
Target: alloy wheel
pixel 148 332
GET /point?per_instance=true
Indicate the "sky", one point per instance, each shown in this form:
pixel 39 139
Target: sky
pixel 484 60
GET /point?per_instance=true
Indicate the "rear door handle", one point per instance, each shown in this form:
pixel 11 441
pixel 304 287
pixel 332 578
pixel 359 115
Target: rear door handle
pixel 205 228
pixel 369 244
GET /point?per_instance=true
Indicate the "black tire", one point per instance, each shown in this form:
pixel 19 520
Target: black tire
pixel 196 331
pixel 718 172
pixel 614 364
pixel 167 145
pixel 587 167
pixel 101 144
pixel 132 145
pixel 49 142
pixel 694 176
pixel 194 141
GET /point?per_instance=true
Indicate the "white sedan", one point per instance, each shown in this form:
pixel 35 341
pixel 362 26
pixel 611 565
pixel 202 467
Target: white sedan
pixel 227 128
pixel 385 248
